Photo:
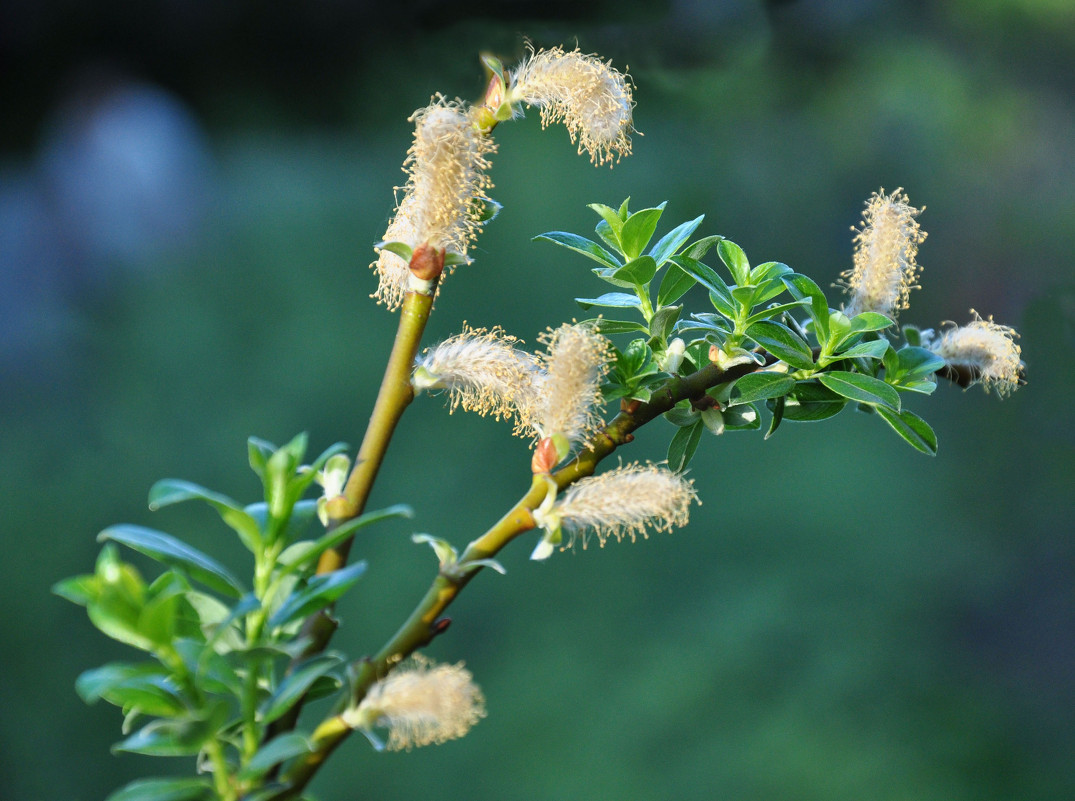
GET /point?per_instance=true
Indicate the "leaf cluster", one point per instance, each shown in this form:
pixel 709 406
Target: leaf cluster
pixel 806 360
pixel 224 658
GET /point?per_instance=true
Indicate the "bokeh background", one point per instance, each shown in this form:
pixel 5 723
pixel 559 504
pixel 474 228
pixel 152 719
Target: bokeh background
pixel 188 197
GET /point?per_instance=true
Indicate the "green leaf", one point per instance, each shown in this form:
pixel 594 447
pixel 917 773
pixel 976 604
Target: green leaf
pixel 321 591
pixel 619 300
pixel 735 260
pixel 915 362
pixel 81 590
pixel 697 250
pixel 766 291
pixel 638 271
pixel 742 417
pixel 682 416
pixel 664 319
pixel 581 245
pixel 759 386
pixel 184 737
pixel 674 285
pixel 810 402
pixel 671 242
pixel 259 452
pixel 401 249
pixel 773 311
pixel 861 388
pixel 280 749
pixel 802 287
pixel 870 321
pixel 874 349
pixel 165 790
pixel 611 217
pixel 783 343
pixel 770 270
pixel 777 408
pixel 638 230
pixel 608 236
pixel 293 687
pixel 618 326
pixel 916 431
pixel 144 686
pixel 170 490
pixel 703 274
pixel 683 445
pixel 175 553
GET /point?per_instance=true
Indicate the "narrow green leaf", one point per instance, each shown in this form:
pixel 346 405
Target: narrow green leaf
pixel 870 321
pixel 783 343
pixel 668 244
pixel 916 431
pixel 735 260
pixel 697 250
pixel 143 686
pixel 293 687
pixel 774 311
pixel 321 591
pixel 683 445
pixel 609 236
pixel 401 249
pixel 759 386
pixel 164 790
pixel 618 326
pixel 638 230
pixel 638 271
pixel 861 388
pixel 770 270
pixel 802 287
pixel 743 417
pixel 674 285
pixel 874 349
pixel 175 553
pixel 610 216
pixel 915 362
pixel 171 490
pixel 168 738
pixel 618 300
pixel 777 409
pixel 280 749
pixel 581 245
pixel 259 452
pixel 664 319
pixel 80 590
pixel 703 274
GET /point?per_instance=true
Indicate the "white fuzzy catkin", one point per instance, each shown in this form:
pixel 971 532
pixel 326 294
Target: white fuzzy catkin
pixel 447 183
pixel 482 370
pixel 568 393
pixel 987 347
pixel 886 246
pixel 421 703
pixel 625 502
pixel 587 95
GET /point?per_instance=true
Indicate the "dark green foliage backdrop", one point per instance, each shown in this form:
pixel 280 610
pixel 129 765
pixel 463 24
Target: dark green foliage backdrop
pixel 843 619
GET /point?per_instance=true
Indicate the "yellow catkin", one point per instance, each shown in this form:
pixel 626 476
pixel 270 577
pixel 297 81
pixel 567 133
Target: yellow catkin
pixel 482 370
pixel 568 391
pixel 421 703
pixel 447 184
pixel 625 502
pixel 587 95
pixel 886 245
pixel 987 347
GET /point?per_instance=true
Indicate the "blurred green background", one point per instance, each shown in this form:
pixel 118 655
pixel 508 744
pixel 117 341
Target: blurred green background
pixel 188 195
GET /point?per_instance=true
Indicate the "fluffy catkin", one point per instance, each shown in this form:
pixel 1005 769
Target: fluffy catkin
pixel 421 703
pixel 986 346
pixel 587 95
pixel 886 245
pixel 568 391
pixel 482 370
pixel 446 185
pixel 624 502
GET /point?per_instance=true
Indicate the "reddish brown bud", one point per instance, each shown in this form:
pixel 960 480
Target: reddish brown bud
pixel 545 456
pixel 427 262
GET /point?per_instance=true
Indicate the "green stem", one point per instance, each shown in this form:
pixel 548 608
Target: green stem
pixel 424 623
